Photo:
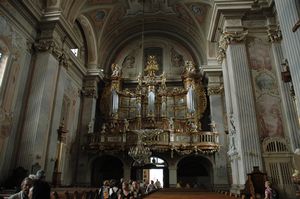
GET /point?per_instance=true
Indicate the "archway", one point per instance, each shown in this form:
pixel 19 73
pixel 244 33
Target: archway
pixel 195 172
pixel 106 168
pixel 157 168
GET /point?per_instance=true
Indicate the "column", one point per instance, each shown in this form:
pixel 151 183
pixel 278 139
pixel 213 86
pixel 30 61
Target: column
pixel 288 104
pixel 172 176
pixel 89 100
pixel 242 117
pixel 34 141
pixel 288 15
pixel 215 91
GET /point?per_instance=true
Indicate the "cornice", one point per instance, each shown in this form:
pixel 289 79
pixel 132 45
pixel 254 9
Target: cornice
pixel 221 10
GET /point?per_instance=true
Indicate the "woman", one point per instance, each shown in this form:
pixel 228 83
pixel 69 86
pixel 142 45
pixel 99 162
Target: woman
pixel 125 192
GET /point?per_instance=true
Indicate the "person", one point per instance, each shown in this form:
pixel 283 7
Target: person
pixel 40 188
pixel 24 193
pixel 270 193
pixel 157 184
pixel 104 190
pixel 136 190
pixel 151 187
pixel 114 190
pixel 125 193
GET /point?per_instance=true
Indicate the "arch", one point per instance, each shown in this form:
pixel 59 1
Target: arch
pixel 195 171
pixel 142 172
pixel 106 167
pixel 90 38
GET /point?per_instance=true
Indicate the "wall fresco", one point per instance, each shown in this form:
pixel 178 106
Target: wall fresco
pixel 268 102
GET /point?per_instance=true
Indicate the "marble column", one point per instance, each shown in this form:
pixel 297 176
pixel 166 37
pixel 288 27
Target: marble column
pixel 288 15
pixel 89 100
pixel 242 115
pixel 37 120
pixel 288 104
pixel 215 92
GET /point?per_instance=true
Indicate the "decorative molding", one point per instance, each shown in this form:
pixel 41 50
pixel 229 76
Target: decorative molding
pixel 50 46
pixel 90 88
pixel 228 38
pixel 274 35
pixel 5 122
pixel 215 90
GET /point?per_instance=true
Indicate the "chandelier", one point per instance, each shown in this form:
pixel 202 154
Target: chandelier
pixel 140 153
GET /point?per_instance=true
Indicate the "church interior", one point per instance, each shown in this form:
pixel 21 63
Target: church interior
pixel 201 94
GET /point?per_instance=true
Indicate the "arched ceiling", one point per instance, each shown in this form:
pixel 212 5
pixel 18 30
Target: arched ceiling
pixel 112 23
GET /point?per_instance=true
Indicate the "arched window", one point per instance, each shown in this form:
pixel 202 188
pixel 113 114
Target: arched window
pixel 3 62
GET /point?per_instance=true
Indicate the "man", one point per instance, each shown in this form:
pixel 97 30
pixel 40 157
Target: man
pixel 25 186
pixel 40 189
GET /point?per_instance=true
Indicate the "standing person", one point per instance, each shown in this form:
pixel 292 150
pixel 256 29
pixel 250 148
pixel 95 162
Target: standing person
pixel 25 186
pixel 136 190
pixel 125 192
pixel 41 189
pixel 104 190
pixel 270 193
pixel 114 190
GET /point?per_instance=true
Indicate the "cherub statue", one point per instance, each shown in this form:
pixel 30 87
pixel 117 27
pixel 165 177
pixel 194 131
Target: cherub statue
pixel 116 70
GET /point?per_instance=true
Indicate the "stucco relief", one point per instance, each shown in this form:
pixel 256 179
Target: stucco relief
pixel 268 102
pixel 199 11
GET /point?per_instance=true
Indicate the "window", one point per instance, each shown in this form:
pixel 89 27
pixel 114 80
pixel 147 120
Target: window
pixel 3 59
pixel 75 51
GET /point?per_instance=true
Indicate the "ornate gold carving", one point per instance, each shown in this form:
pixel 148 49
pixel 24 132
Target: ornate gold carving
pixel 214 90
pixel 274 35
pixel 228 38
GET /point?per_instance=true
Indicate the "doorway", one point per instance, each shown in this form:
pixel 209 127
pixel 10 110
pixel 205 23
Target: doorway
pixel 195 172
pixel 156 169
pixel 106 168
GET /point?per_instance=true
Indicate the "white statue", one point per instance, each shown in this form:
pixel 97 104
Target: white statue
pixel 140 80
pixel 163 79
pixel 91 126
pixel 126 125
pixel 171 123
pixel 297 159
pixel 103 128
pixel 116 70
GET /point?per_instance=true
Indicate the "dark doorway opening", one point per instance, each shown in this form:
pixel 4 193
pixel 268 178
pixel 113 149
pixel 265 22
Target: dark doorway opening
pixel 106 168
pixel 195 172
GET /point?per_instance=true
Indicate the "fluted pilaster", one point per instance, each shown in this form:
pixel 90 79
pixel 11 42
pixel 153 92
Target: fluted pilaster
pixel 37 121
pixel 288 104
pixel 288 15
pixel 243 109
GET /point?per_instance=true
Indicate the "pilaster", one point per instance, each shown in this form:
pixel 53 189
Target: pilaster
pixel 288 15
pixel 215 92
pixel 38 116
pixel 242 125
pixel 288 103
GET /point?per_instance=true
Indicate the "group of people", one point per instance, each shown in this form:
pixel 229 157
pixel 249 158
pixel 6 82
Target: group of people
pixel 127 189
pixel 33 187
